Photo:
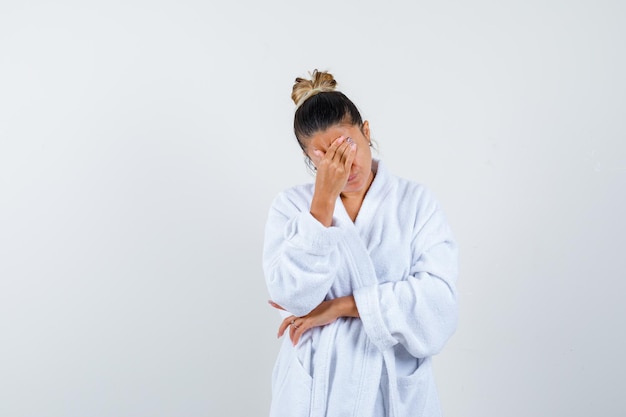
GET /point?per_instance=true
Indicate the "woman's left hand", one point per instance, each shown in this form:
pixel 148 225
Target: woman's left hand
pixel 325 313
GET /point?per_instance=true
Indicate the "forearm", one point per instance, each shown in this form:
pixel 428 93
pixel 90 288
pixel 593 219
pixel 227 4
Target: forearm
pixel 299 256
pixel 419 311
pixel 322 208
pixel 345 306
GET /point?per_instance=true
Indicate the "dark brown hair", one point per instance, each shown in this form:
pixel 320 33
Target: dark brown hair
pixel 320 106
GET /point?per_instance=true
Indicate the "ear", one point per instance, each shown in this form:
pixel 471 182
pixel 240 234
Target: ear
pixel 366 130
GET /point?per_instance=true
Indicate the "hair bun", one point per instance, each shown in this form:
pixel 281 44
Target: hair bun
pixel 304 89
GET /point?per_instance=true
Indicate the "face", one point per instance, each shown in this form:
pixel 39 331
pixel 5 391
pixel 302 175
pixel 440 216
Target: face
pixel 361 170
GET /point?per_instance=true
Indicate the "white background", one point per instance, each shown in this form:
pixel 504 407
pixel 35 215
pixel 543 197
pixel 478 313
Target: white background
pixel 141 144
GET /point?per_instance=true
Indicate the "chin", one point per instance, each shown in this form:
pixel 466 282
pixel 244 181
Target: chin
pixel 354 187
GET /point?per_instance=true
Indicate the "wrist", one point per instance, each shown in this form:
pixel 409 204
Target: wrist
pixel 322 209
pixel 346 306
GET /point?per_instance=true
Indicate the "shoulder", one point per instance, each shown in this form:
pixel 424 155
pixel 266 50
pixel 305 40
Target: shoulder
pixel 419 209
pixel 411 193
pixel 295 198
pixel 413 203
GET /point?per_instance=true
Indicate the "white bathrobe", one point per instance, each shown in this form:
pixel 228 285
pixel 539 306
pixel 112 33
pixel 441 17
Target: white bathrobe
pixel 399 260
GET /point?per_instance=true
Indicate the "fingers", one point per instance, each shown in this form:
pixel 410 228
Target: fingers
pixel 332 150
pixel 299 331
pixel 319 155
pixel 295 329
pixel 340 154
pixel 349 153
pixel 285 323
pixel 344 150
pixel 337 149
pixel 292 331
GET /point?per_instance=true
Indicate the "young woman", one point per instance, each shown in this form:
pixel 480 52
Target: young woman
pixel 364 266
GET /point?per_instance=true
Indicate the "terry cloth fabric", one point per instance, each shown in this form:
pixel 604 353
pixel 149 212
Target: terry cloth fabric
pixel 400 261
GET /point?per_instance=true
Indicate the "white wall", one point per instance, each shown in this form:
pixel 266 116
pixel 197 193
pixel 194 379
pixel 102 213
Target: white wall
pixel 141 144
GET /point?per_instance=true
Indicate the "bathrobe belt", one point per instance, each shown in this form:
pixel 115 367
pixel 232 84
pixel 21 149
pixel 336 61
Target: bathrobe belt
pixel 363 274
pixel 321 374
pixel 319 394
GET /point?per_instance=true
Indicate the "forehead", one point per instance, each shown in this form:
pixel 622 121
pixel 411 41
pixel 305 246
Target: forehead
pixel 324 138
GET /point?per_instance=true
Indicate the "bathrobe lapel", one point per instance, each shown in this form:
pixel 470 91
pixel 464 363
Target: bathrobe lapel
pixel 356 234
pixel 356 239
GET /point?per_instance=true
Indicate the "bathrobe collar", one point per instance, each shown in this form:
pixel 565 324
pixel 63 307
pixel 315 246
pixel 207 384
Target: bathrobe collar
pixel 379 188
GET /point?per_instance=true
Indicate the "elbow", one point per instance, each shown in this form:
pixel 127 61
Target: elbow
pixel 441 335
pixel 441 339
pixel 432 346
pixel 297 292
pixel 436 335
pixel 297 303
pixel 294 307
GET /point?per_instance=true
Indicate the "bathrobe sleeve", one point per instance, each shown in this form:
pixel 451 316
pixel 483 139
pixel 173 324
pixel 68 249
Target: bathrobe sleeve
pixel 420 310
pixel 299 256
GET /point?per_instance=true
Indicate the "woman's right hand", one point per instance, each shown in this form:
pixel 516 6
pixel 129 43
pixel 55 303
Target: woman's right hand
pixel 333 171
pixel 325 313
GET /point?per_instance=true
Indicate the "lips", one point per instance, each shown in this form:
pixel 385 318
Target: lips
pixel 352 177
